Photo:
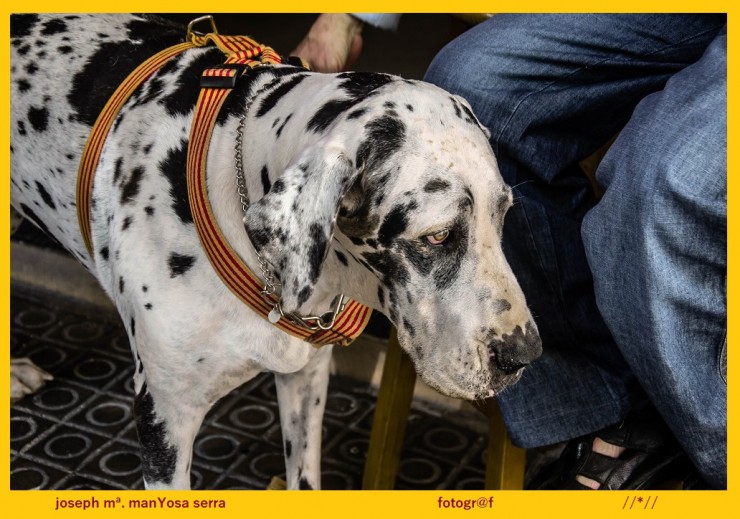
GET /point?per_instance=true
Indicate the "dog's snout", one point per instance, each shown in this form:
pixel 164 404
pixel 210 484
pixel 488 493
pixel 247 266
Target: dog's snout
pixel 517 349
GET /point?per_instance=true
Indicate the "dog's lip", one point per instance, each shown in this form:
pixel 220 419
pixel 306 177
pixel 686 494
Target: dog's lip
pixel 508 379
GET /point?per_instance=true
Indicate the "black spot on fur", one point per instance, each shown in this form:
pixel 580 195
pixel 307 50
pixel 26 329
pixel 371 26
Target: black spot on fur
pixel 130 188
pixel 455 104
pixel 381 296
pixel 354 114
pixel 278 187
pixel 280 128
pixel 91 89
pixel 358 86
pixel 304 485
pixel 104 253
pixel 22 128
pixel 179 264
pixel 148 306
pixel 328 113
pixel 23 85
pixel 117 170
pixel 342 258
pixel 127 223
pixel 173 168
pixel 317 250
pixel 260 237
pixel 182 99
pixel 394 223
pixel 65 49
pixel 133 327
pixel 39 118
pixel 265 177
pixel 470 118
pixel 385 135
pixel 409 108
pixel 409 327
pixel 361 84
pixel 149 210
pixel 22 24
pixel 435 185
pixel 158 457
pixel 288 448
pixel 269 102
pixel 390 266
pixel 45 196
pixel 54 26
pixel 420 256
pixel 121 284
pixel 149 92
pixel 304 294
pixel 144 288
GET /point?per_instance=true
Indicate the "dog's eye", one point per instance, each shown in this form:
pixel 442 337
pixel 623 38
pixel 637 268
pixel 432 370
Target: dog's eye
pixel 438 237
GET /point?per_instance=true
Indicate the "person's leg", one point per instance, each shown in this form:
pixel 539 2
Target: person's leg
pixel 552 89
pixel 657 245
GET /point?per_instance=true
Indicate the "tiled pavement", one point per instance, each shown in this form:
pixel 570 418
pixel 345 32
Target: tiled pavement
pixel 78 432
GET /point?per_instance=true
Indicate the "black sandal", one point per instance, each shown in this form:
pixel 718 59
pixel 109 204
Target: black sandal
pixel 652 458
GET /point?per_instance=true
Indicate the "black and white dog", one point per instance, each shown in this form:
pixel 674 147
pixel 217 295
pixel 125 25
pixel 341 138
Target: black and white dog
pixel 370 185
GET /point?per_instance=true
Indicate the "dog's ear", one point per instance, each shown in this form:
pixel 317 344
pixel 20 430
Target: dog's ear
pixel 469 113
pixel 292 225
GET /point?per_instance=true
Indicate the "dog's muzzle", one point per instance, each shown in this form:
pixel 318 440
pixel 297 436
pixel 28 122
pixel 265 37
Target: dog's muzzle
pixel 516 350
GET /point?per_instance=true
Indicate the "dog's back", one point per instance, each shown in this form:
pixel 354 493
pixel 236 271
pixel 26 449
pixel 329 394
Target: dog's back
pixel 63 70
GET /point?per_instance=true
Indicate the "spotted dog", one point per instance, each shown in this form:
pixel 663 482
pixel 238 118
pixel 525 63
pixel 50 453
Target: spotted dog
pixel 366 184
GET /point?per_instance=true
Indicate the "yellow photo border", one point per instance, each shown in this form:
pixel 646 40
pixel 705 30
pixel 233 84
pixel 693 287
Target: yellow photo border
pixel 362 504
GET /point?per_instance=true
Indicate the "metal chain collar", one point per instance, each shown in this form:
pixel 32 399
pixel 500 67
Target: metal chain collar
pixel 311 322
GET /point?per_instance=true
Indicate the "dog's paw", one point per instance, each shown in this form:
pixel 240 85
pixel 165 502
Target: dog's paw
pixel 26 378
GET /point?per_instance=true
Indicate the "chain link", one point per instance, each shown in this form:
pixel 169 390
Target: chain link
pixel 312 322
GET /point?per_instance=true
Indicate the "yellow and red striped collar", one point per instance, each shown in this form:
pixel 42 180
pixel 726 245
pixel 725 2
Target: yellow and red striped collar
pixel 241 53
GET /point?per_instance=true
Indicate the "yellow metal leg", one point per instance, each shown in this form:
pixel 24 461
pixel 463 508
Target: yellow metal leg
pixel 391 415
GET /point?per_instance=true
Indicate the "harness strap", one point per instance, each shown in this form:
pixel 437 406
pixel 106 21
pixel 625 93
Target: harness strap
pixel 99 132
pixel 216 83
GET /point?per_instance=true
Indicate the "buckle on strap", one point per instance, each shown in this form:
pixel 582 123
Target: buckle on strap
pixel 222 76
pixel 190 33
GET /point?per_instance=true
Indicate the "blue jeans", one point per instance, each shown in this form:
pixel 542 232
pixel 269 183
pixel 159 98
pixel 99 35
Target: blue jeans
pixel 629 292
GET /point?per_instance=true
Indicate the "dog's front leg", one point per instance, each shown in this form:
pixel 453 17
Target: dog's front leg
pixel 302 398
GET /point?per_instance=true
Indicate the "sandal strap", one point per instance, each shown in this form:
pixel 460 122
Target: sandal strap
pixel 646 434
pixel 598 467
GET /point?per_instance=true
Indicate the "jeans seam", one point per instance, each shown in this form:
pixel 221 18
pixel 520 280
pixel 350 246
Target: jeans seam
pixel 557 290
pixel 722 360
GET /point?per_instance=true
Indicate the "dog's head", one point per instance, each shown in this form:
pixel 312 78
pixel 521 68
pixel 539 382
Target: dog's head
pixel 405 190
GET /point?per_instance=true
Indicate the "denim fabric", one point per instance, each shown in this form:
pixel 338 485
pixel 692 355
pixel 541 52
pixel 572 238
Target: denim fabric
pixel 640 312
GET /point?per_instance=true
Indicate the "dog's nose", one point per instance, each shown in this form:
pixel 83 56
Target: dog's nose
pixel 517 349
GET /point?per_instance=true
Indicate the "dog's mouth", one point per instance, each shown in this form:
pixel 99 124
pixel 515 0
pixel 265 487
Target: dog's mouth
pixel 499 384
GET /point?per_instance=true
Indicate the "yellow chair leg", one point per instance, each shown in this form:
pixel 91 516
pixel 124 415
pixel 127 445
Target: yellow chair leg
pixel 391 416
pixel 505 462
